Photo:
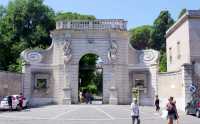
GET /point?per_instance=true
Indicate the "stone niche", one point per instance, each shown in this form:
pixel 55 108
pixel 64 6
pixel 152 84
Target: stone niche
pixel 41 85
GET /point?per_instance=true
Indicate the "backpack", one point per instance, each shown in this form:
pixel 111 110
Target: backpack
pixel 171 109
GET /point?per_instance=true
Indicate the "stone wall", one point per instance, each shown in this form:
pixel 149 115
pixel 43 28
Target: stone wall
pixel 171 84
pixel 194 36
pixel 196 78
pixel 10 83
pixel 178 48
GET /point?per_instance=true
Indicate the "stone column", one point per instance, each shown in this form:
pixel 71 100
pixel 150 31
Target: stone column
pixel 73 82
pixel 67 95
pixel 113 96
pixel 112 88
pixel 107 82
pixel 154 82
pixel 187 81
pixel 27 86
pixel 131 83
pixel 122 83
pixel 67 88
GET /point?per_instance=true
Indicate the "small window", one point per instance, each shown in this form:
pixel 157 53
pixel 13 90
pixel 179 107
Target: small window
pixel 170 55
pixel 41 84
pixel 178 50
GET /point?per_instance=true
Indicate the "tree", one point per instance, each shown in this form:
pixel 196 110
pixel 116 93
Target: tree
pixel 2 12
pixel 140 37
pixel 26 24
pixel 162 23
pixel 163 62
pixel 73 16
pixel 183 11
pixel 158 41
pixel 91 79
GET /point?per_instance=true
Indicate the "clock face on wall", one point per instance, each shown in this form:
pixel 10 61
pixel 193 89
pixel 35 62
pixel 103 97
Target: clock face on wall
pixel 34 57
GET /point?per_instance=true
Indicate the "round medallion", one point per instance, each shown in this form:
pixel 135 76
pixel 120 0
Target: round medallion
pixel 34 56
pixel 147 56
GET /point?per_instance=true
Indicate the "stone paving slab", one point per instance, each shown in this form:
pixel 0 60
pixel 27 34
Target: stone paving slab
pixel 87 114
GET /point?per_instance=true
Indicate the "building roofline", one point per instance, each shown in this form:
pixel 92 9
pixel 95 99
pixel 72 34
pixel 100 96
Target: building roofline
pixel 108 19
pixel 188 15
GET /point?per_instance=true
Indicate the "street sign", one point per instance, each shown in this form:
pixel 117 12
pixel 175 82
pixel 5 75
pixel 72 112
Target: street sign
pixel 192 88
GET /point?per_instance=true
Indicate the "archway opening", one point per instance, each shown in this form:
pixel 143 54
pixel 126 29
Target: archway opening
pixel 90 85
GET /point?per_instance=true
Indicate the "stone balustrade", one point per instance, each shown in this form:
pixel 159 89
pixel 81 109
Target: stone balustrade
pixel 99 24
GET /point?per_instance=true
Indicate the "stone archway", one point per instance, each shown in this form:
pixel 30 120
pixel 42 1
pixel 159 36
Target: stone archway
pixel 74 76
pixel 90 79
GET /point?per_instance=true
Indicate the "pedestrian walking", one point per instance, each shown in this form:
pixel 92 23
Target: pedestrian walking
pixel 21 99
pixel 135 112
pixel 157 102
pixel 87 97
pixel 172 111
pixel 176 113
pixel 90 98
pixel 10 103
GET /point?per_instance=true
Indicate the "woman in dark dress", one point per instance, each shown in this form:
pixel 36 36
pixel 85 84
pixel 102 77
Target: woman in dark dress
pixel 157 102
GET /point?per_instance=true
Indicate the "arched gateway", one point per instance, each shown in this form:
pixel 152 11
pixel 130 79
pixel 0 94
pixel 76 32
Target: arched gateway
pixel 52 75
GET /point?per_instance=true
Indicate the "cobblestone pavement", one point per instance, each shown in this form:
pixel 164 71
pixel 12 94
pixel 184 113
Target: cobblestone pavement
pixel 87 114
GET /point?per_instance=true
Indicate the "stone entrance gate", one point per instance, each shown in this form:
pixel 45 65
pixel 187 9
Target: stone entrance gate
pixel 51 76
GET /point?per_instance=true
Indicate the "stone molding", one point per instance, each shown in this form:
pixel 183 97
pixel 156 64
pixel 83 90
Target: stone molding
pixel 189 14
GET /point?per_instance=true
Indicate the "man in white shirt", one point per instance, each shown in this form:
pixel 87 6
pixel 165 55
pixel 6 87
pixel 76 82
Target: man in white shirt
pixel 135 111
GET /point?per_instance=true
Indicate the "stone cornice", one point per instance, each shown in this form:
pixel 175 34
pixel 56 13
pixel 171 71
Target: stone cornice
pixel 188 15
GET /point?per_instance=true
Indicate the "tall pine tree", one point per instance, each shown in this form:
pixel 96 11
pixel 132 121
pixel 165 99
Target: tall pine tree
pixel 158 41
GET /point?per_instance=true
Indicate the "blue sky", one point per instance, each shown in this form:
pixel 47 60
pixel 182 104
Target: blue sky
pixel 136 12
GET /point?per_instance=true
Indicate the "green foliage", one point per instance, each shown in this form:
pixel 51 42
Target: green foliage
pixel 163 62
pixel 2 11
pixel 73 16
pixel 26 24
pixel 88 60
pixel 158 40
pixel 140 37
pixel 16 67
pixel 41 84
pixel 183 11
pixel 144 37
pixel 161 25
pixel 91 79
pixel 90 87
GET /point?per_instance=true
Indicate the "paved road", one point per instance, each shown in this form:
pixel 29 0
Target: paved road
pixel 86 114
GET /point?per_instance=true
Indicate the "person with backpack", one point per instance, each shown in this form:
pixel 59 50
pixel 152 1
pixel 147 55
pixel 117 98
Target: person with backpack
pixel 172 111
pixel 135 112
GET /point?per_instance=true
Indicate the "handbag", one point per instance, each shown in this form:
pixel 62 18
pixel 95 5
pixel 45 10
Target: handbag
pixel 138 121
pixel 164 114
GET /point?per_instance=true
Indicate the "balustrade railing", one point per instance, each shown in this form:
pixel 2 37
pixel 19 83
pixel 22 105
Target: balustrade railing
pixel 100 24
